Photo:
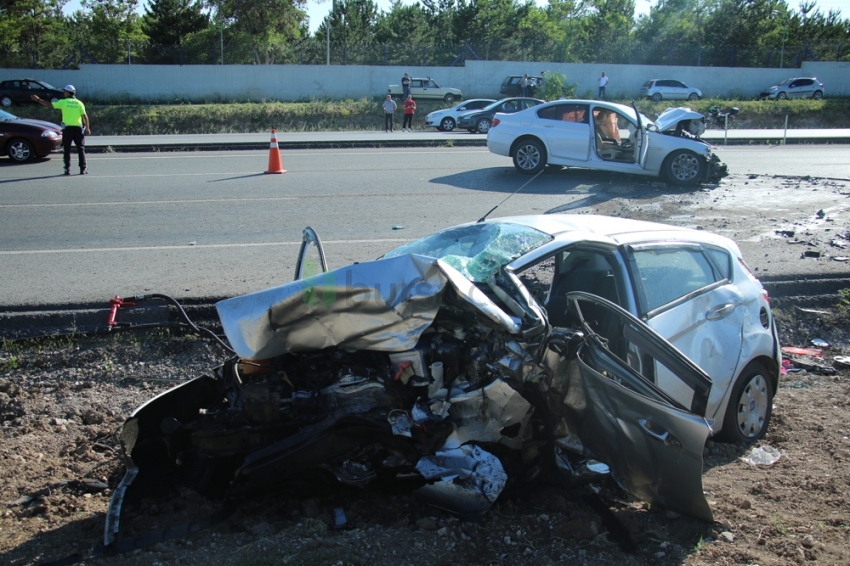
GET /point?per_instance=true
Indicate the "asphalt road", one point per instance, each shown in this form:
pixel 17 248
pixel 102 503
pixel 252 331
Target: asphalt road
pixel 210 224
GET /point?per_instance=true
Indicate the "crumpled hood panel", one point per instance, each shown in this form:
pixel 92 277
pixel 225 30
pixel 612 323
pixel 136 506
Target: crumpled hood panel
pixel 383 305
pixel 672 116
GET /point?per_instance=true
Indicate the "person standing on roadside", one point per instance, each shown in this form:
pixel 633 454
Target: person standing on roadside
pixel 603 82
pixel 76 126
pixel 409 109
pixel 389 108
pixel 405 86
pixel 523 84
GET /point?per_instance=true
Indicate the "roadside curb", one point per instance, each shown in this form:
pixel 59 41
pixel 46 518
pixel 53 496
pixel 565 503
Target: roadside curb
pixel 26 322
pixel 473 141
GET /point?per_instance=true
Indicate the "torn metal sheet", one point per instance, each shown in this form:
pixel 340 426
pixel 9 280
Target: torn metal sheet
pixel 495 413
pixel 383 305
pixel 468 479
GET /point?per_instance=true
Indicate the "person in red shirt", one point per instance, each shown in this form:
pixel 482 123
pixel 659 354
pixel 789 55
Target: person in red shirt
pixel 409 109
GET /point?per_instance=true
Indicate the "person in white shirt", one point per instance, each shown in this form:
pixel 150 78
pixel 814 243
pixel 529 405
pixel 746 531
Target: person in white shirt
pixel 603 82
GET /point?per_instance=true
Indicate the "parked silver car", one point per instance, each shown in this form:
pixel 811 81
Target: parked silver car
pixel 446 120
pixel 485 354
pixel 799 87
pixel 606 136
pixel 427 88
pixel 669 89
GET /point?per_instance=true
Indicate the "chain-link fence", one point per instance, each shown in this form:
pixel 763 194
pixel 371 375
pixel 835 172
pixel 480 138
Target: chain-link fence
pixel 209 49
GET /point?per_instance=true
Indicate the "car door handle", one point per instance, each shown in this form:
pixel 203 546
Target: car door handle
pixel 720 311
pixel 548 125
pixel 660 436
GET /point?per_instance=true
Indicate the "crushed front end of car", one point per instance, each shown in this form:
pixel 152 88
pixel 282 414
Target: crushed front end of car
pixel 688 124
pixel 413 372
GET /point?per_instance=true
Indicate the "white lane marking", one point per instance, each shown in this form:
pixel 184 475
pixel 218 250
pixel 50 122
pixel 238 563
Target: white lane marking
pixel 214 155
pixel 201 246
pixel 137 202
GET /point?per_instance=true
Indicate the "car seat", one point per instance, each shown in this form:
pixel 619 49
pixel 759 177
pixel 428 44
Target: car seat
pixel 608 151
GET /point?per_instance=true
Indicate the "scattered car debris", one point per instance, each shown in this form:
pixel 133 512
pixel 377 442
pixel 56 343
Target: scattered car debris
pixel 762 456
pixel 819 343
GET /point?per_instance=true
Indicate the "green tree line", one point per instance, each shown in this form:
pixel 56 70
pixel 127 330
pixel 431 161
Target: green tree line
pixel 36 33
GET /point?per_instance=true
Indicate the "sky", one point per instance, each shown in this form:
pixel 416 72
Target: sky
pixel 318 9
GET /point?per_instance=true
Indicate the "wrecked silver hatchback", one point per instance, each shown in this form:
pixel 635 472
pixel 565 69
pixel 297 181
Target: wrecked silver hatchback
pixel 432 368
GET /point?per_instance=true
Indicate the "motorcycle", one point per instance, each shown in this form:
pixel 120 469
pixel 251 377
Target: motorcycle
pixel 720 119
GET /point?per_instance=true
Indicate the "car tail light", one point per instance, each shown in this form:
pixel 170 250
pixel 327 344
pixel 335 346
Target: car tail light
pixel 495 123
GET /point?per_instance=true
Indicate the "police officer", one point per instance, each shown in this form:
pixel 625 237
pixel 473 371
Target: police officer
pixel 76 123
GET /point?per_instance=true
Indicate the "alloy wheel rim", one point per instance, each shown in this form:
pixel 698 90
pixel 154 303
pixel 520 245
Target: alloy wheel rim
pixel 20 152
pixel 752 406
pixel 685 167
pixel 528 157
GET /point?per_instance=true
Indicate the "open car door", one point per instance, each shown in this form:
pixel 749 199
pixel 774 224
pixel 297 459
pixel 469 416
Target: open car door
pixel 642 139
pixel 651 443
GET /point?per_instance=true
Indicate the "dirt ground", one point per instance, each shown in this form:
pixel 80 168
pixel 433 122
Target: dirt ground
pixel 62 402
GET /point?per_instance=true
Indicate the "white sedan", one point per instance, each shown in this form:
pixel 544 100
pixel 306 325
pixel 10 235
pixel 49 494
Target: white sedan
pixel 608 137
pixel 446 119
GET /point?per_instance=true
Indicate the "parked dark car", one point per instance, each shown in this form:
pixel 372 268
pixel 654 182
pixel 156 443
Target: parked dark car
pixel 510 86
pixel 18 91
pixel 479 121
pixel 23 139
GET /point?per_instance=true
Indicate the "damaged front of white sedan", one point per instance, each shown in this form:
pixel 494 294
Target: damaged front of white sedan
pixel 433 368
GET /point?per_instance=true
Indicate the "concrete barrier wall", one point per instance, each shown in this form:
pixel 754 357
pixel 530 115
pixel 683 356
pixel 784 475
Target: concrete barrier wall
pixel 166 83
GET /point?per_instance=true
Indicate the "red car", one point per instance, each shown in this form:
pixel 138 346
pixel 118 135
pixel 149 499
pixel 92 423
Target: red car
pixel 23 139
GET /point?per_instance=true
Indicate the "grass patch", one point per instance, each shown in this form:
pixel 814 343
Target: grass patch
pixel 768 114
pixel 312 116
pixel 366 114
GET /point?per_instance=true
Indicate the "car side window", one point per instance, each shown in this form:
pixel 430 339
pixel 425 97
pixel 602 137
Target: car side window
pixel 669 273
pixel 577 113
pixel 794 84
pixel 806 82
pixel 678 84
pixel 722 261
pixel 429 84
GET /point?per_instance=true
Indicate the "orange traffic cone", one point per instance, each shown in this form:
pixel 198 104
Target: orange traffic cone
pixel 275 165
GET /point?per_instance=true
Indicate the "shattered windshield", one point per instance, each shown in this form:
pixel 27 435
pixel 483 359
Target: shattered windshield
pixel 477 250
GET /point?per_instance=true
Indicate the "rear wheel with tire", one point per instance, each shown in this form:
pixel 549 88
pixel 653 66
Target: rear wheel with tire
pixel 817 95
pixel 482 126
pixel 750 405
pixel 447 124
pixel 6 101
pixel 449 98
pixel 693 96
pixel 684 167
pixel 530 157
pixel 656 97
pixel 20 150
